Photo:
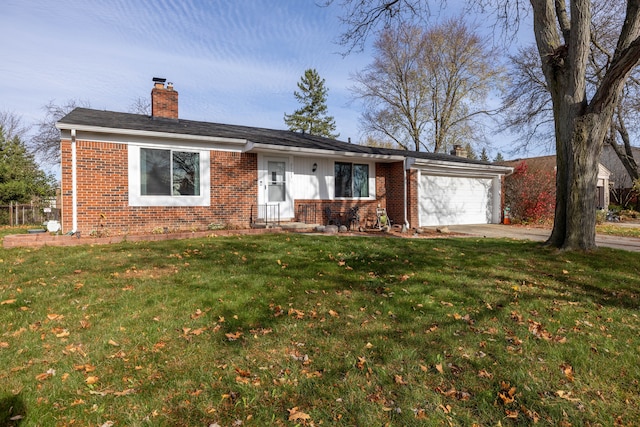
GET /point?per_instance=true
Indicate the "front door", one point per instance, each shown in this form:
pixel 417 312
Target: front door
pixel 277 187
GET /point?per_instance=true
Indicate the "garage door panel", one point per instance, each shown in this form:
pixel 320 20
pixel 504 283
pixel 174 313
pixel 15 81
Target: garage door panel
pixel 448 200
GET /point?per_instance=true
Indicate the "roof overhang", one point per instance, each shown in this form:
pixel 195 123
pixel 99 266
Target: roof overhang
pixel 256 147
pixel 444 168
pixel 152 134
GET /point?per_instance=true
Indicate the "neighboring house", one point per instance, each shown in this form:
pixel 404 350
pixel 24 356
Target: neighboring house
pixel 621 183
pixel 548 163
pixel 130 173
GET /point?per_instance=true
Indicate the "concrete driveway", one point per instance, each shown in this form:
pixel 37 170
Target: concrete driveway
pixel 540 235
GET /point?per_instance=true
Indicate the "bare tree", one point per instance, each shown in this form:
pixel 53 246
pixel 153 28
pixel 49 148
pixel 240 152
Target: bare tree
pixel 12 125
pixel 527 103
pixel 425 87
pixel 141 105
pixel 528 106
pixel 582 118
pixel 45 144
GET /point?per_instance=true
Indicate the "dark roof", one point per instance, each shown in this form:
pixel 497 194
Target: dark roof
pixel 285 138
pixel 542 163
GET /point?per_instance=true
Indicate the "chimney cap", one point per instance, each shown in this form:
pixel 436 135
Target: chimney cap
pixel 159 80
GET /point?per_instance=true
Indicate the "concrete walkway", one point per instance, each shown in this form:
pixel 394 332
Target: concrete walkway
pixel 540 235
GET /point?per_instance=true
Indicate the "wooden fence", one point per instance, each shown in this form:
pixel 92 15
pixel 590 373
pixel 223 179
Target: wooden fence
pixel 27 214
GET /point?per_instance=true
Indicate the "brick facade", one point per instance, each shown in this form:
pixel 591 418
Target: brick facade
pixel 102 194
pixel 389 195
pixel 164 102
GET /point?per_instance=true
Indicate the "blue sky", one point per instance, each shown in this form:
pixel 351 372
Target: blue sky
pixel 232 61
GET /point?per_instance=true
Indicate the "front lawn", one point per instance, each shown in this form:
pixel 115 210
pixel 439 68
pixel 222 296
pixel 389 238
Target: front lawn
pixel 318 330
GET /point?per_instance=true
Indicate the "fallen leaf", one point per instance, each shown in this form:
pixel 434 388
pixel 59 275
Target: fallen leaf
pixel 91 380
pixel 566 395
pixel 8 301
pixel 297 314
pixel 484 374
pixel 399 380
pixel 233 336
pixel 113 343
pixel 439 368
pixel 295 414
pixel 568 372
pixel 243 373
pixel 63 334
pixel 197 314
pixel 445 409
pixel 44 376
pixel 511 414
pixel 333 313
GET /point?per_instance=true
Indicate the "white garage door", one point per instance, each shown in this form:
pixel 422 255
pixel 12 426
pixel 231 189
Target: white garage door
pixel 446 200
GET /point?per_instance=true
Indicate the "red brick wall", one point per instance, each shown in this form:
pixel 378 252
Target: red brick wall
pixel 413 212
pixel 164 102
pixel 390 189
pixel 313 211
pixel 102 201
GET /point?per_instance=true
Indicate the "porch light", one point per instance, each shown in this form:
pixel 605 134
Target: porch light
pixel 315 167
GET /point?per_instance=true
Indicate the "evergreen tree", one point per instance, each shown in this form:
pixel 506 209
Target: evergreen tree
pixel 312 117
pixel 484 156
pixel 20 178
pixel 498 158
pixel 471 154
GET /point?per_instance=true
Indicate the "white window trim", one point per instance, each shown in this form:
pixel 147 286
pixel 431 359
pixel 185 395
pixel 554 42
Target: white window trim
pixel 136 199
pixel 372 180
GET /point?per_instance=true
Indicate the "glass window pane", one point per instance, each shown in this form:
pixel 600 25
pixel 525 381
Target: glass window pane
pixel 342 179
pixel 186 174
pixel 277 192
pixel 360 180
pixel 276 181
pixel 155 172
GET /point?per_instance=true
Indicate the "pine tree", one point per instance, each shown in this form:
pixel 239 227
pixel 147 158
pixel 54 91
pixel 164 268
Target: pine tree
pixel 20 178
pixel 498 158
pixel 484 156
pixel 471 154
pixel 312 117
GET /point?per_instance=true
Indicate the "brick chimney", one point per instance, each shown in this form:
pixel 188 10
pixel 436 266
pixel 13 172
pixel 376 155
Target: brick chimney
pixel 164 100
pixel 458 151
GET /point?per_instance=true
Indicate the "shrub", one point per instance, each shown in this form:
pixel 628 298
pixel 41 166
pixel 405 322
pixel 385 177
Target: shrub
pixel 530 194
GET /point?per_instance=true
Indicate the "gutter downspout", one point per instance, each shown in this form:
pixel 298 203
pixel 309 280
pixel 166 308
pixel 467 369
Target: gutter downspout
pixel 74 183
pixel 407 164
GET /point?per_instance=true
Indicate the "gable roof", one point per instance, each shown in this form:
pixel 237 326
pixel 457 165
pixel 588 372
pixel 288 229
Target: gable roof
pixel 115 122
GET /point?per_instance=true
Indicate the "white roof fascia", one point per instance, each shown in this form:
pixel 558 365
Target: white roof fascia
pixel 603 172
pixel 439 167
pixel 271 148
pixel 151 134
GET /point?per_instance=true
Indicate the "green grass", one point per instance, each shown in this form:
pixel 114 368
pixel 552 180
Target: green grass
pixel 310 330
pixel 616 230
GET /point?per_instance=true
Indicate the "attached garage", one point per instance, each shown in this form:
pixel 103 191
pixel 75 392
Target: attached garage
pixel 452 193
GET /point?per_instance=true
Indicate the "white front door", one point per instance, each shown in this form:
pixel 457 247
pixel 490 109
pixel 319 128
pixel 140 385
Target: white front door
pixel 278 191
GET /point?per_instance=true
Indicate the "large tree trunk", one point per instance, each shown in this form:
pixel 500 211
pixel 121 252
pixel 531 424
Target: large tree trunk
pixel 581 126
pixel 581 204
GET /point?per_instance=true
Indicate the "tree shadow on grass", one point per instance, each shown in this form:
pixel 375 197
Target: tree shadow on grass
pixel 12 411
